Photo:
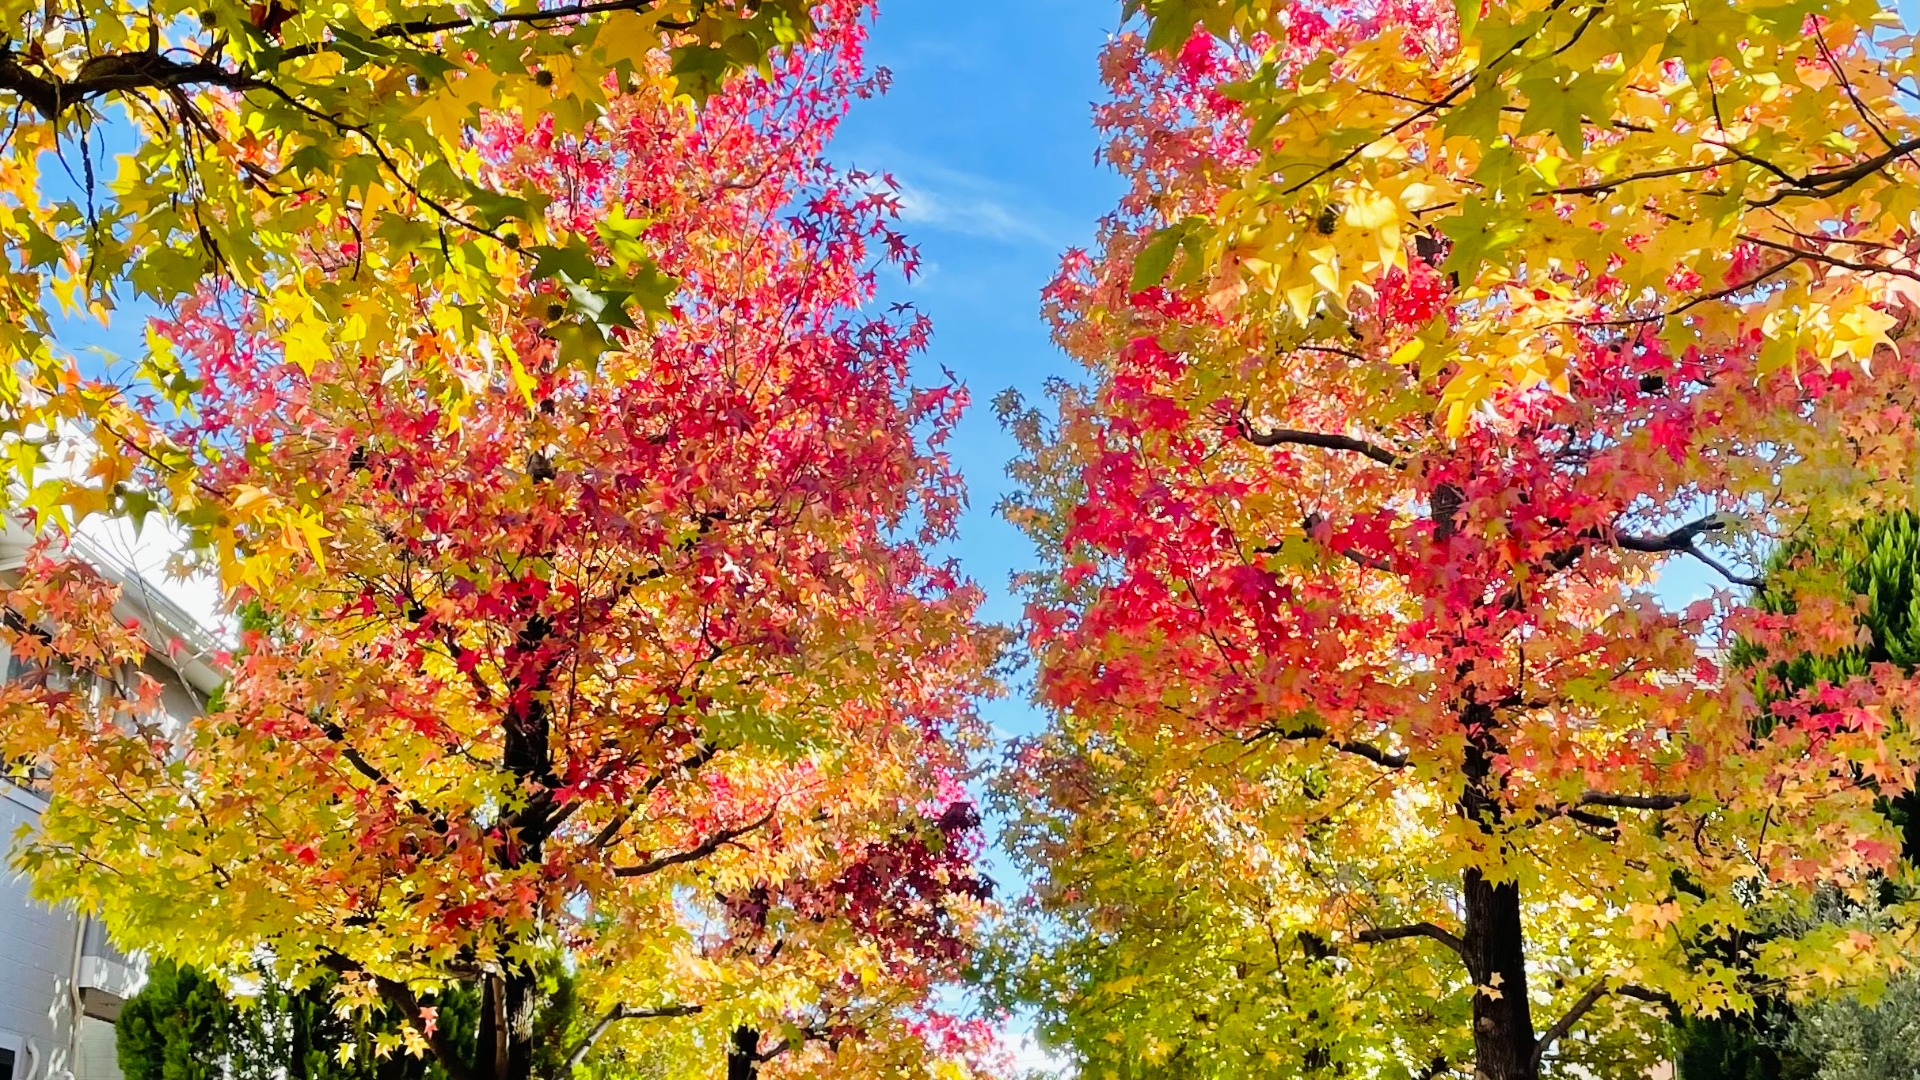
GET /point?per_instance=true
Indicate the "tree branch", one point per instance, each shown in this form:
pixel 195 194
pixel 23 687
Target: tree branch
pixel 1571 1017
pixel 1297 437
pixel 1313 732
pixel 1682 540
pixel 446 1049
pixel 1678 539
pixel 1834 181
pixel 147 69
pixel 706 847
pixel 686 765
pixel 807 1035
pixel 1656 997
pixel 368 769
pixel 1598 821
pixel 1419 929
pixel 615 1015
pixel 1635 802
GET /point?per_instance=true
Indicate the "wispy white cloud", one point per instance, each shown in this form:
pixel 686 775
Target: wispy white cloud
pixel 937 198
pixel 969 213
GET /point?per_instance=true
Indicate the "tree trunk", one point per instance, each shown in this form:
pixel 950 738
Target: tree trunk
pixel 510 1000
pixel 1503 1039
pixel 743 1057
pixel 509 1004
pixel 1495 938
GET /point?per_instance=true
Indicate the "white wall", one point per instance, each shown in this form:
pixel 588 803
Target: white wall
pixel 98 1058
pixel 36 957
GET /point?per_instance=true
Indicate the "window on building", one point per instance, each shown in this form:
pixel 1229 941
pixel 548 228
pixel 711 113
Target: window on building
pixel 6 1063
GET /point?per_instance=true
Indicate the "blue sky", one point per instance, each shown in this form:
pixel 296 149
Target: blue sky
pixel 988 128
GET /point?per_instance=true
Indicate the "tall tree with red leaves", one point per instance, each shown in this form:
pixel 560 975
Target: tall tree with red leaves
pixel 550 654
pixel 1420 347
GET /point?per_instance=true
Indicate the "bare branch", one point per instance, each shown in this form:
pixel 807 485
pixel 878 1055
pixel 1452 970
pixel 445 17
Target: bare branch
pixel 1679 539
pixel 1419 929
pixel 1571 1017
pixel 1682 541
pixel 694 854
pixel 615 1015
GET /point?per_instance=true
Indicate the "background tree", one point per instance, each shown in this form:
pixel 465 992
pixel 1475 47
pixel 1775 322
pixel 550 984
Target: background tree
pixel 1418 347
pixel 175 1028
pixel 560 656
pixel 1878 562
pixel 183 1024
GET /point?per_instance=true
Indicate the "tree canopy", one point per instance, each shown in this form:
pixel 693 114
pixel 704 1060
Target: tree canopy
pixel 518 375
pixel 646 660
pixel 1420 346
pixel 150 149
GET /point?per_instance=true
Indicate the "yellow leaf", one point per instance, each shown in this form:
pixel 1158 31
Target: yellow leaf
pixel 1861 330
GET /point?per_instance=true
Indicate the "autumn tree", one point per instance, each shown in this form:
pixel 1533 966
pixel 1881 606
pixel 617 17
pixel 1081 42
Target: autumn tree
pixel 1420 348
pixel 151 148
pixel 547 655
pixel 1878 562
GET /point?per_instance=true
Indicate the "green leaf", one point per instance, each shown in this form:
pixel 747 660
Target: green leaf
pixel 1555 107
pixel 573 262
pixel 1150 266
pixel 1479 235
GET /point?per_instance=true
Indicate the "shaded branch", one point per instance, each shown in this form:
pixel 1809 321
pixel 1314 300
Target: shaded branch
pixel 1635 802
pixel 1656 997
pixel 1419 929
pixel 1314 732
pixel 1598 821
pixel 110 73
pixel 446 1049
pixel 1572 1016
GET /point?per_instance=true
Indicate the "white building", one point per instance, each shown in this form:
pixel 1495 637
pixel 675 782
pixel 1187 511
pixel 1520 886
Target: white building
pixel 61 980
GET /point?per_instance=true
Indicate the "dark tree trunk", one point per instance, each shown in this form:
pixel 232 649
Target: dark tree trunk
pixel 743 1057
pixel 510 999
pixel 1495 938
pixel 1503 1039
